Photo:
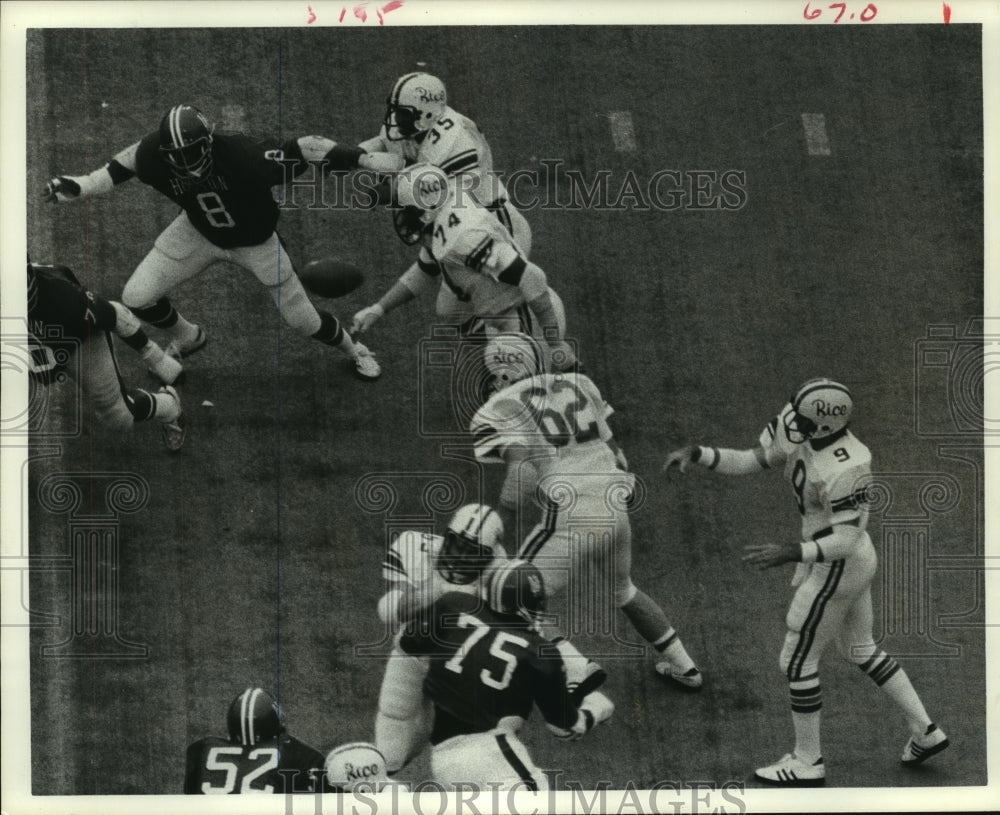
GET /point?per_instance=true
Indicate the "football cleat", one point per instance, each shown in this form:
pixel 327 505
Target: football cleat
pixel 185 349
pixel 690 679
pixel 820 408
pixel 175 429
pixel 921 748
pixel 365 366
pixel 186 142
pixel 253 717
pixel 789 771
pixel 415 103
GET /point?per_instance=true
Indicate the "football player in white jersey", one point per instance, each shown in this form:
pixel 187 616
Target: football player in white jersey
pixel 421 128
pixel 419 568
pixel 488 285
pixel 828 469
pixel 557 423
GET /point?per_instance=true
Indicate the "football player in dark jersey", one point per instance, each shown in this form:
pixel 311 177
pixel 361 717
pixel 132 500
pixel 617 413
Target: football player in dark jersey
pixel 69 333
pixel 485 666
pixel 223 184
pixel 258 757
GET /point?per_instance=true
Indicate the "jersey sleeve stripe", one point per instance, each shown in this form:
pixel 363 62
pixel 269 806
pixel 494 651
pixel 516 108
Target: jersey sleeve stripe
pixel 466 160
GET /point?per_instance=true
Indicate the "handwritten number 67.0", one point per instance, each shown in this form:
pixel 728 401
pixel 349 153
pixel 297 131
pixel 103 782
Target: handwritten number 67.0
pixel 867 14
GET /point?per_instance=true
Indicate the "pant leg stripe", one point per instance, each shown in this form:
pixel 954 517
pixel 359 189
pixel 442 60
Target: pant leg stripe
pixel 516 763
pixel 808 633
pixel 531 546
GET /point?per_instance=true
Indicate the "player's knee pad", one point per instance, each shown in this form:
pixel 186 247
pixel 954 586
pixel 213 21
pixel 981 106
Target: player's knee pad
pixel 295 307
pixel 856 653
pixel 625 593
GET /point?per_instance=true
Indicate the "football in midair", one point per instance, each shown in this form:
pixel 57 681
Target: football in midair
pixel 331 278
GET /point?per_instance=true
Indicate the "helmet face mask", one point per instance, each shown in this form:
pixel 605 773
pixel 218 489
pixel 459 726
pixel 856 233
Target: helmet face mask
pixel 472 542
pixel 415 103
pixel 410 224
pixel 186 142
pixel 818 409
pixel 253 717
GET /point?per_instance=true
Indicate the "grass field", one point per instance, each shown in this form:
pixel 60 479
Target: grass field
pixel 255 560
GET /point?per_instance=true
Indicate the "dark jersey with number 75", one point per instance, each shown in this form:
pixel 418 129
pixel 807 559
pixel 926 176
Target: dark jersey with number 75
pixel 217 766
pixel 233 205
pixel 485 667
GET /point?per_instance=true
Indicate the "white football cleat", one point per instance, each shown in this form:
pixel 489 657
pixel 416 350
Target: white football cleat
pixel 921 748
pixel 789 771
pixel 185 349
pixel 175 429
pixel 365 365
pixel 690 679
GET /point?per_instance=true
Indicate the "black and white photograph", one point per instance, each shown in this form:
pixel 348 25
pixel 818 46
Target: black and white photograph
pixel 453 407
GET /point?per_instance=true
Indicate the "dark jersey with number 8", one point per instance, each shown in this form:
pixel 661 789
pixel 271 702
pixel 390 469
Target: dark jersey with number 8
pixel 234 205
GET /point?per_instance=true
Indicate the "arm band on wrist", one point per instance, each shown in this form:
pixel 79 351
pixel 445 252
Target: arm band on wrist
pixel 343 157
pixel 96 183
pixel 811 552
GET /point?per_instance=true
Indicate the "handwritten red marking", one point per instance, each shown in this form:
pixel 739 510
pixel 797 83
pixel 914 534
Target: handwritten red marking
pixel 343 11
pixel 947 13
pixel 360 13
pixel 312 16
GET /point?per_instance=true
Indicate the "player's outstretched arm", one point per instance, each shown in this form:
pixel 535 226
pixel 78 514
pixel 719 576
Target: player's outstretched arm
pixel 411 284
pixel 833 543
pixel 64 188
pixel 722 460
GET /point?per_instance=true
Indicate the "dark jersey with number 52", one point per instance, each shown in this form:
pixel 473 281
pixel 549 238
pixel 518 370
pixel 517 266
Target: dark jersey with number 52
pixel 234 205
pixel 216 766
pixel 484 667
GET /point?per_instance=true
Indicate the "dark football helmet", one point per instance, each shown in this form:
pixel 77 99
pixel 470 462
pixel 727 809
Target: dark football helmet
pixel 517 589
pixel 253 717
pixel 186 142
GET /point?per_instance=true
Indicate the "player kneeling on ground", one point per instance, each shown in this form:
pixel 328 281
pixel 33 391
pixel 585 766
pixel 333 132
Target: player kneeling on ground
pixel 70 330
pixel 829 470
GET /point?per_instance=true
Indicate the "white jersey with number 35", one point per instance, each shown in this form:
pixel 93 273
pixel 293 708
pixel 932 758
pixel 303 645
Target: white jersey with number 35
pixel 828 476
pixel 560 418
pixel 455 145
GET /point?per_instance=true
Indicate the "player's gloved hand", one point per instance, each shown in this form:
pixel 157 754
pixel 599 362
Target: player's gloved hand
pixel 366 318
pixel 59 189
pixel 563 356
pixel 682 458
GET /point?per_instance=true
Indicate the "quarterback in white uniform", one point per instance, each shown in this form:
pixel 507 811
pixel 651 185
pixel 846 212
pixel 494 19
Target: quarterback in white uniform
pixel 829 470
pixel 556 424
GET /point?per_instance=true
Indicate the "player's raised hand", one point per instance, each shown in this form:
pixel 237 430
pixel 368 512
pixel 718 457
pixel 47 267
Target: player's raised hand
pixel 59 189
pixel 680 458
pixel 768 555
pixel 366 318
